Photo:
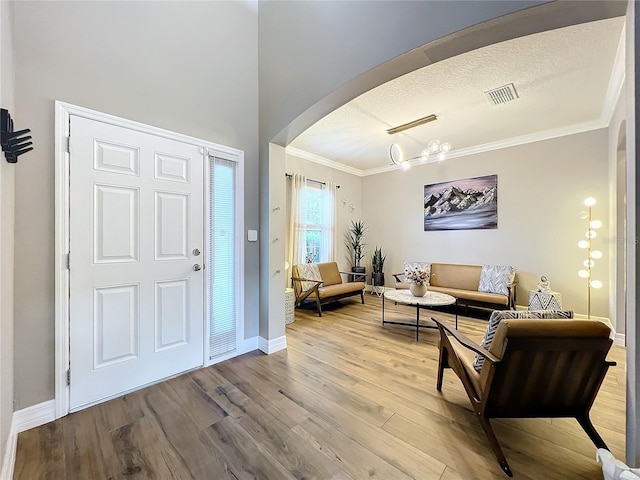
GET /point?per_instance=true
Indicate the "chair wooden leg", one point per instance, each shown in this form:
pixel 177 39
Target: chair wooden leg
pixel 319 307
pixel 495 446
pixel 587 426
pixel 442 362
pixel 362 296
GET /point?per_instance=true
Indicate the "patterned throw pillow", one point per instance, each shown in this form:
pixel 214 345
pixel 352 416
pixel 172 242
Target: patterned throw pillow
pixel 310 271
pixel 496 278
pixel 498 315
pixel 408 266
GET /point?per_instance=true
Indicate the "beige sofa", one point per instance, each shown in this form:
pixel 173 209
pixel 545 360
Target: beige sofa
pixel 462 282
pixel 329 289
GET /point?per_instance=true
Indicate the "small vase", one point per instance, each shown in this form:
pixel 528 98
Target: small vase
pixel 418 289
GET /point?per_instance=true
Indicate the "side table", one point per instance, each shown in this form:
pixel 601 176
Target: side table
pixel 544 300
pixel 289 306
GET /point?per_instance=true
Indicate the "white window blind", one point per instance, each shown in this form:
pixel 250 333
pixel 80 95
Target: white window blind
pixel 223 274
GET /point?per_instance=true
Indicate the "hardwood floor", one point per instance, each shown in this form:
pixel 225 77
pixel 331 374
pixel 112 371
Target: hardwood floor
pixel 348 399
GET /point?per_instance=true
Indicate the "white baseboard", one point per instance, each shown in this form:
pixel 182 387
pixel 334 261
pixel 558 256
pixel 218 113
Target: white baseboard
pixel 272 346
pixel 34 416
pixel 21 421
pixel 619 339
pixel 9 460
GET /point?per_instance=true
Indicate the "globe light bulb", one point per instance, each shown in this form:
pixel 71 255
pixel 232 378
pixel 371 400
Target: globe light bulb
pixel 596 283
pixel 588 263
pixel 590 234
pixel 445 147
pixel 424 155
pixel 583 274
pixel 583 244
pixel 595 224
pixel 434 146
pixel 596 254
pixel 590 202
pixel 583 215
pixel 406 165
pixel 442 156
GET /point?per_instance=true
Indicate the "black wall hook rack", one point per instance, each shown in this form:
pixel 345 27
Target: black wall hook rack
pixel 13 143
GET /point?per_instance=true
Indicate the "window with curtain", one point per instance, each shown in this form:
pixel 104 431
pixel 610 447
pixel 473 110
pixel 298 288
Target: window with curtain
pixel 223 274
pixel 317 225
pixel 313 225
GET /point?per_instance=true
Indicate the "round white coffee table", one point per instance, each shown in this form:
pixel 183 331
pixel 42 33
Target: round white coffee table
pixel 430 299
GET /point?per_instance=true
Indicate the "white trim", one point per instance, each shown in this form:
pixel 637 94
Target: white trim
pixel 272 346
pixel 619 340
pixel 34 416
pixel 9 460
pixel 63 112
pixel 249 345
pixel 616 80
pixel 237 157
pixel 312 157
pixel 463 152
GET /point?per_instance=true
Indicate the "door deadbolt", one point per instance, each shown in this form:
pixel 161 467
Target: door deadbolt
pixel 196 252
pixel 197 267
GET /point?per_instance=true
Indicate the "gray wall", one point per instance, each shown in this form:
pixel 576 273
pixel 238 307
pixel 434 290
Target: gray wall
pixel 6 230
pixel 316 56
pixel 350 191
pixel 541 189
pixel 190 67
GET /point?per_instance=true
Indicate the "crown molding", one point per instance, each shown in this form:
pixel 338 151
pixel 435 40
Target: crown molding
pixel 312 157
pixel 463 152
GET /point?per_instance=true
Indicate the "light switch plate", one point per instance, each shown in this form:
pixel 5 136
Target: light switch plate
pixel 252 235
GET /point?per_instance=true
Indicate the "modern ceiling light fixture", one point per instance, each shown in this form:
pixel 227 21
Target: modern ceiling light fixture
pixel 415 123
pixel 435 149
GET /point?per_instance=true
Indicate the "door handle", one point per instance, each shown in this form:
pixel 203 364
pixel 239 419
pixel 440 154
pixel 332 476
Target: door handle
pixel 196 252
pixel 196 267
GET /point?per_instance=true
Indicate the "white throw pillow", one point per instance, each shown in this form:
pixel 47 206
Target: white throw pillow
pixel 309 271
pixel 496 278
pixel 498 315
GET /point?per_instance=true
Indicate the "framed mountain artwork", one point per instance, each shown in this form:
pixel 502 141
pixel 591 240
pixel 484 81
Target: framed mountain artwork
pixel 469 204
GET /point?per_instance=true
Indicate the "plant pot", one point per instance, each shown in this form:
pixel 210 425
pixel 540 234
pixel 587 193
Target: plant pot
pixel 358 270
pixel 377 279
pixel 418 289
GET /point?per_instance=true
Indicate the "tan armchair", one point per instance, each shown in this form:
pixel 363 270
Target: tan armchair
pixel 534 368
pixel 329 288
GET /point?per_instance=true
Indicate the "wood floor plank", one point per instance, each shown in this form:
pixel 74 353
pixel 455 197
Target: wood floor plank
pixel 46 453
pixel 357 460
pixel 348 399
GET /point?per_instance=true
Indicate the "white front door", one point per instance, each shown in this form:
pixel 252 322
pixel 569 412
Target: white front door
pixel 136 233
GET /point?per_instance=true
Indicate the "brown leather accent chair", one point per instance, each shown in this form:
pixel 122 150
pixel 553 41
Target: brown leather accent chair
pixel 534 368
pixel 330 289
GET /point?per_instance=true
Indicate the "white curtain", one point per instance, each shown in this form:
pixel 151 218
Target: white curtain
pixel 296 223
pixel 329 231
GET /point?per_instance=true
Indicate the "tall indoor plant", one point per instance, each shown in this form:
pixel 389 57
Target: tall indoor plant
pixel 377 264
pixel 356 246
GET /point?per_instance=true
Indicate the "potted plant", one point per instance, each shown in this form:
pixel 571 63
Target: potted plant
pixel 355 246
pixel 377 264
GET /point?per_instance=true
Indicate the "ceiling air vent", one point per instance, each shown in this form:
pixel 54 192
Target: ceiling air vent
pixel 502 94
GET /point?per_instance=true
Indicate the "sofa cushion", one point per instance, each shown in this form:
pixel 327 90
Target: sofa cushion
pixel 329 273
pixel 472 295
pixel 498 315
pixel 463 277
pixel 340 289
pixel 496 278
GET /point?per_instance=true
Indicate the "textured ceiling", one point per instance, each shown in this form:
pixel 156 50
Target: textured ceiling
pixel 561 76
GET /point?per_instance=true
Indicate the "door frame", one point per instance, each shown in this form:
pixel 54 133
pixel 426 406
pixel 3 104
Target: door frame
pixel 63 112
